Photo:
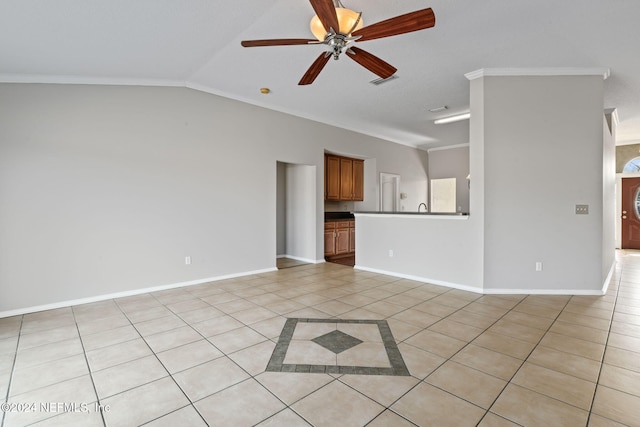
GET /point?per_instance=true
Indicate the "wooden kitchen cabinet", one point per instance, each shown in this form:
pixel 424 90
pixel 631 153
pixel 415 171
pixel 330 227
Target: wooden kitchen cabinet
pixel 342 237
pixel 339 238
pixel 344 178
pixel 352 236
pixel 331 178
pixel 358 180
pixel 329 239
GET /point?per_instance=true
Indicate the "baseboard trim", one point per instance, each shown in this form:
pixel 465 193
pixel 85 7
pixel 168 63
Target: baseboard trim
pixel 605 285
pixel 421 279
pixel 123 294
pixel 498 291
pixel 494 291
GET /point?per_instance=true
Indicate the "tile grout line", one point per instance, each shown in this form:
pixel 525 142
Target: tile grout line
pixel 420 381
pixel 86 360
pixel 192 403
pixel 13 368
pixel 606 344
pixel 527 358
pixel 165 368
pixel 339 378
pixel 514 374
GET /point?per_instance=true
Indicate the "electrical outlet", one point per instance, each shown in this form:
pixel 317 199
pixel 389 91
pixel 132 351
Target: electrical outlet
pixel 539 266
pixel 582 209
pixel 187 260
pixel 390 253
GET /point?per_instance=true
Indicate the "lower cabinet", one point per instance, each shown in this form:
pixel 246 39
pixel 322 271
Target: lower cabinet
pixel 339 238
pixel 329 239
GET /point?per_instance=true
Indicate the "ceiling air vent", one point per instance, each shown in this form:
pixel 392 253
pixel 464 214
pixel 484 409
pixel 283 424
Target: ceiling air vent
pixel 378 82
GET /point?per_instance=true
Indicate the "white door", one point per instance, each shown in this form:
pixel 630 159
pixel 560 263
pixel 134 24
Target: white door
pixel 389 192
pixel 443 195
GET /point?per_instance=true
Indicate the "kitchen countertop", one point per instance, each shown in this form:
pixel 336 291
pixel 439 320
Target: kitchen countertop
pixel 338 216
pixel 414 213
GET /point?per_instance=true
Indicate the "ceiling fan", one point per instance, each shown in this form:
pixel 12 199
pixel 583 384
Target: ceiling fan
pixel 338 27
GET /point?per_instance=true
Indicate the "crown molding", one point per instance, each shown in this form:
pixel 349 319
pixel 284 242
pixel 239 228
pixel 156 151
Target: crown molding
pixel 511 72
pixel 83 80
pixel 614 115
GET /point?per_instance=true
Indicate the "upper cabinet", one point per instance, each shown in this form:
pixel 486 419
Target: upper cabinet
pixel 343 178
pixel 331 178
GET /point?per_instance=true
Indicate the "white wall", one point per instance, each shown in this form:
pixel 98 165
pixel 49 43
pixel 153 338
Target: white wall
pixel 300 212
pixel 543 152
pixel 106 189
pixel 452 163
pixel 434 249
pixel 609 180
pixel 530 165
pixel 281 209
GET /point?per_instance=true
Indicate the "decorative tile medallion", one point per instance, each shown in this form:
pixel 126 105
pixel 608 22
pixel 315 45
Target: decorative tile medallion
pixel 337 341
pixel 352 354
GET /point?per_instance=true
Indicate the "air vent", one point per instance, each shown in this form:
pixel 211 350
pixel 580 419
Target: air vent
pixel 438 109
pixel 378 82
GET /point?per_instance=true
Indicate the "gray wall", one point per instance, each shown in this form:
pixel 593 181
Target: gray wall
pixel 452 163
pixel 524 188
pixel 281 209
pixel 106 189
pixel 300 212
pixel 532 182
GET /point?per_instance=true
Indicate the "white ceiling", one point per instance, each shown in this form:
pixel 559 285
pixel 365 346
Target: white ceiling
pixel 196 43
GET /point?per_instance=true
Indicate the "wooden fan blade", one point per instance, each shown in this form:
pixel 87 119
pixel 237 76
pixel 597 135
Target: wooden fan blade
pixel 277 42
pixel 326 12
pixel 371 62
pixel 414 21
pixel 315 69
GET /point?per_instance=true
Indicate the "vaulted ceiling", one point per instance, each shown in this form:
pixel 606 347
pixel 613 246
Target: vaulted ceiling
pixel 196 43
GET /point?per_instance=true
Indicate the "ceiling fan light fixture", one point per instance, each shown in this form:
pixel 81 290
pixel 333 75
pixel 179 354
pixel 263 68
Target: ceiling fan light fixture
pixel 347 18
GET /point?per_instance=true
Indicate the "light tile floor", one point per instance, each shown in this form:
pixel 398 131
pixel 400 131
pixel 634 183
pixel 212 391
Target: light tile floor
pixel 197 356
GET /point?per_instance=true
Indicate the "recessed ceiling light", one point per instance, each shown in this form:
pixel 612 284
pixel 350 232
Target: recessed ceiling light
pixel 265 90
pixel 438 109
pixel 451 119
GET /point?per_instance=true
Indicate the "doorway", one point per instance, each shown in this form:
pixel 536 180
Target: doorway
pixel 630 214
pixel 389 192
pixel 295 214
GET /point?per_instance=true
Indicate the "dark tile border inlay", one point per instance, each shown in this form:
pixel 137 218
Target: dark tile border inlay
pixel 276 363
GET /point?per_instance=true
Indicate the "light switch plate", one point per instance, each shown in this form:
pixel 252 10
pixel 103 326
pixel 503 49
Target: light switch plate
pixel 582 209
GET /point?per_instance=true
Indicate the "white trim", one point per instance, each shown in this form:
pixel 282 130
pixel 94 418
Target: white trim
pixel 421 279
pixel 447 147
pixel 605 286
pixel 614 115
pixel 560 71
pixel 498 291
pixel 411 215
pixel 83 80
pixel 123 294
